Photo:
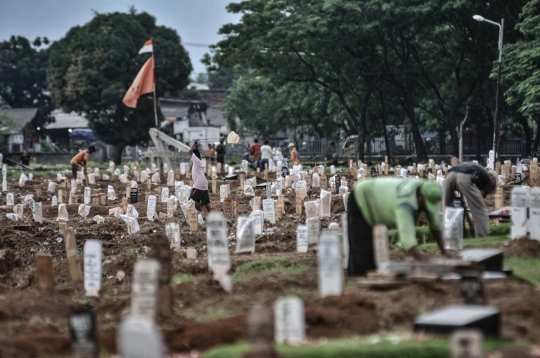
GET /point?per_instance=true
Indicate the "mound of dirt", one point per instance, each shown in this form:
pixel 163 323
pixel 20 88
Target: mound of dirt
pixel 335 316
pixel 8 261
pixel 523 247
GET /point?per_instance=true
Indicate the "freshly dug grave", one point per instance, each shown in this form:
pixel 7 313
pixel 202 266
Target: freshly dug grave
pixel 204 316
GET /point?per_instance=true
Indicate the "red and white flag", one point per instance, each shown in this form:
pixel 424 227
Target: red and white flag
pixel 143 83
pixel 147 47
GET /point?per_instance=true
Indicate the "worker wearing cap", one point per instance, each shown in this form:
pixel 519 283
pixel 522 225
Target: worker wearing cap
pixel 81 159
pixel 395 203
pixel 294 154
pixel 473 182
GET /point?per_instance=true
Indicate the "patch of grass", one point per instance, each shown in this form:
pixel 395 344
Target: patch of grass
pixel 129 252
pixel 209 314
pixel 480 242
pixel 423 234
pixel 349 348
pixel 180 278
pixel 269 266
pixel 525 267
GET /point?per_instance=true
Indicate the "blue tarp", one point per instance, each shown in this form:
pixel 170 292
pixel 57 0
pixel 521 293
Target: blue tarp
pixel 83 134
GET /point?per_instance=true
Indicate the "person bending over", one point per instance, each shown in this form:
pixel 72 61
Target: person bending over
pixel 473 182
pixel 81 159
pixel 395 203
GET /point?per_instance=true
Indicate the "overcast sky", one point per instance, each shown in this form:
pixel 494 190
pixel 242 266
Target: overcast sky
pixel 196 21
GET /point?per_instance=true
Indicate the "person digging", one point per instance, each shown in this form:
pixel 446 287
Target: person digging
pixel 81 159
pixel 395 203
pixel 474 183
pixel 199 192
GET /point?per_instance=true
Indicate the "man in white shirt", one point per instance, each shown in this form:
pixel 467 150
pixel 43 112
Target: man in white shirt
pixel 266 154
pixel 199 192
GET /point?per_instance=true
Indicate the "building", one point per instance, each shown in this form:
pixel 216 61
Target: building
pixel 24 134
pixel 67 125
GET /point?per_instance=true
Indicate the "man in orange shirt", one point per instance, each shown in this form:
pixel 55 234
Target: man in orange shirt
pixel 80 160
pixel 255 149
pixel 294 154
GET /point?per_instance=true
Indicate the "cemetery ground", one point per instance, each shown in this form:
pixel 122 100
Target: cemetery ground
pixel 375 323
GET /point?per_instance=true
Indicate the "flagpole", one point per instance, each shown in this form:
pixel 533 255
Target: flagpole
pixel 153 69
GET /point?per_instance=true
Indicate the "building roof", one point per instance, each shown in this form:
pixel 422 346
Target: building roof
pixel 173 111
pixel 20 117
pixel 213 98
pixel 67 120
pixel 215 117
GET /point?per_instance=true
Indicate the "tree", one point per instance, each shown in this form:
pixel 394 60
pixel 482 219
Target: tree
pixel 23 80
pixel 430 57
pixel 6 123
pixel 91 68
pixel 265 109
pixel 521 70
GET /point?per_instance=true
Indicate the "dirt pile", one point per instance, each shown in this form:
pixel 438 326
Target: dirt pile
pixel 522 247
pixel 8 261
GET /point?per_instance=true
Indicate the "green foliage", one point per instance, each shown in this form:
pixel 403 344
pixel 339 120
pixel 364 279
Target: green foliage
pixel 5 124
pixel 267 267
pixel 359 348
pixel 525 267
pixel 410 63
pixel 23 81
pixel 92 67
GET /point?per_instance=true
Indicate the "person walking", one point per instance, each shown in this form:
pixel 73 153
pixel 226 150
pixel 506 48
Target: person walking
pixel 255 149
pixel 221 150
pixel 473 182
pixel 211 153
pixel 81 159
pixel 294 154
pixel 266 155
pixel 199 192
pixel 395 203
pixel 25 158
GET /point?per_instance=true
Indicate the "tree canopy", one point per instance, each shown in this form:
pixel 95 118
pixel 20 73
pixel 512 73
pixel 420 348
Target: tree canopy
pixel 428 58
pixel 92 67
pixel 23 81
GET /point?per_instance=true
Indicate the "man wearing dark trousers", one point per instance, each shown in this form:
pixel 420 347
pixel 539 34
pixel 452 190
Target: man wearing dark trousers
pixel 395 203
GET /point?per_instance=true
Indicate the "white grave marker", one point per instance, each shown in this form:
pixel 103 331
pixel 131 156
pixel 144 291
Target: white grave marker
pixel 4 177
pixel 87 195
pixel 10 200
pixel 38 213
pixel 164 195
pixel 140 338
pixel 219 261
pixel 144 288
pixel 534 221
pixel 62 212
pixel 289 321
pixel 269 210
pixel 245 236
pixel 381 250
pixel 330 265
pixel 223 192
pixel 173 234
pixel 326 203
pixel 302 242
pixel 92 267
pixel 151 207
pixel 54 201
pixel 314 229
pixel 258 221
pixel 519 212
pixel 345 239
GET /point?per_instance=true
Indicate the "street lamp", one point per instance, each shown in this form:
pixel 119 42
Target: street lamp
pixel 499 62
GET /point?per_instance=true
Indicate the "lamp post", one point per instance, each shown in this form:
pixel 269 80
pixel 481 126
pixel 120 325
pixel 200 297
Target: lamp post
pixel 499 63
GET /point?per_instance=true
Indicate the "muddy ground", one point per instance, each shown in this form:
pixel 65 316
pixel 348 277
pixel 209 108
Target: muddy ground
pixel 34 324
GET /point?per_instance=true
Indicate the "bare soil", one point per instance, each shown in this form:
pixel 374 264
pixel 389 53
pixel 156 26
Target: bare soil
pixel 34 324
